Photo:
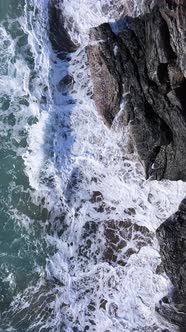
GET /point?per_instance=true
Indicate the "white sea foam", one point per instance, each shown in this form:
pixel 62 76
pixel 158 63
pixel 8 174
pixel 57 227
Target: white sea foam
pixel 71 158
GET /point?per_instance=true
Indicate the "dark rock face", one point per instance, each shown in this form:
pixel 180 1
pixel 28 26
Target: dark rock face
pixel 66 84
pixel 120 241
pixel 58 28
pixel 172 239
pixel 105 72
pixel 146 64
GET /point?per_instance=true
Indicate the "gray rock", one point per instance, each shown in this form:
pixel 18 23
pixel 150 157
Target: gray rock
pixel 172 239
pixel 148 69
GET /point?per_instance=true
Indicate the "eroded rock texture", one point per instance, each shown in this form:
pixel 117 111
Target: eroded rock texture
pixel 146 65
pixel 172 238
pixel 105 72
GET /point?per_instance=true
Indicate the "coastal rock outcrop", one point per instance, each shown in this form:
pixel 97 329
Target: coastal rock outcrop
pixel 105 72
pixel 145 64
pixel 172 239
pixel 59 28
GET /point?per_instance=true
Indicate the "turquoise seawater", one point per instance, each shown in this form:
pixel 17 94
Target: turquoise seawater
pixel 23 249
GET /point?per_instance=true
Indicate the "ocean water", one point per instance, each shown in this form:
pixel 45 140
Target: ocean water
pixel 78 250
pixel 22 243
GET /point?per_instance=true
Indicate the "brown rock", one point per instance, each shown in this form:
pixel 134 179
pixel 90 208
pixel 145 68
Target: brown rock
pixel 105 76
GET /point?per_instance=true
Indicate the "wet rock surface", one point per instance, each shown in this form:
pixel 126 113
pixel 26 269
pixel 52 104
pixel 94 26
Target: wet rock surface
pixel 105 72
pixel 123 239
pixel 59 28
pixel 66 84
pixel 145 64
pixel 140 73
pixel 172 239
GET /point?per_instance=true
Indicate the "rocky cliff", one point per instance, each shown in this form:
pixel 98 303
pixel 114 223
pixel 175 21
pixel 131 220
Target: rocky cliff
pixel 145 65
pixel 140 73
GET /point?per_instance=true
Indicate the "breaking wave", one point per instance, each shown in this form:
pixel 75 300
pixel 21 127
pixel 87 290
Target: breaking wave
pixel 99 213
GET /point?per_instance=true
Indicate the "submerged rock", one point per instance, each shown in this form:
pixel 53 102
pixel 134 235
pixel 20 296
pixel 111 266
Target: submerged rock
pixel 112 241
pixel 59 28
pixel 146 65
pixel 66 84
pixel 124 238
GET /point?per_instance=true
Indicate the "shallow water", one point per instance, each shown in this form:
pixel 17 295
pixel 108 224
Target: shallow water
pixel 77 244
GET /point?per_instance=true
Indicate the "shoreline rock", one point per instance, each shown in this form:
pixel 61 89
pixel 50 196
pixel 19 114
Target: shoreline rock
pixel 146 65
pixel 59 28
pixel 104 72
pixel 172 239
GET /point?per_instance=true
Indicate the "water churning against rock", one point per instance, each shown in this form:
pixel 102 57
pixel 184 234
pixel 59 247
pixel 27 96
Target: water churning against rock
pixel 78 250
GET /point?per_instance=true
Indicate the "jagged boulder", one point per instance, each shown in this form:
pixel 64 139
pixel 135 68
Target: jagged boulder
pixel 59 28
pixel 172 239
pixel 145 63
pixel 105 72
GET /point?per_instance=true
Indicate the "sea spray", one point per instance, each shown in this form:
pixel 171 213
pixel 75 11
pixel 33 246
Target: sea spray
pixel 97 213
